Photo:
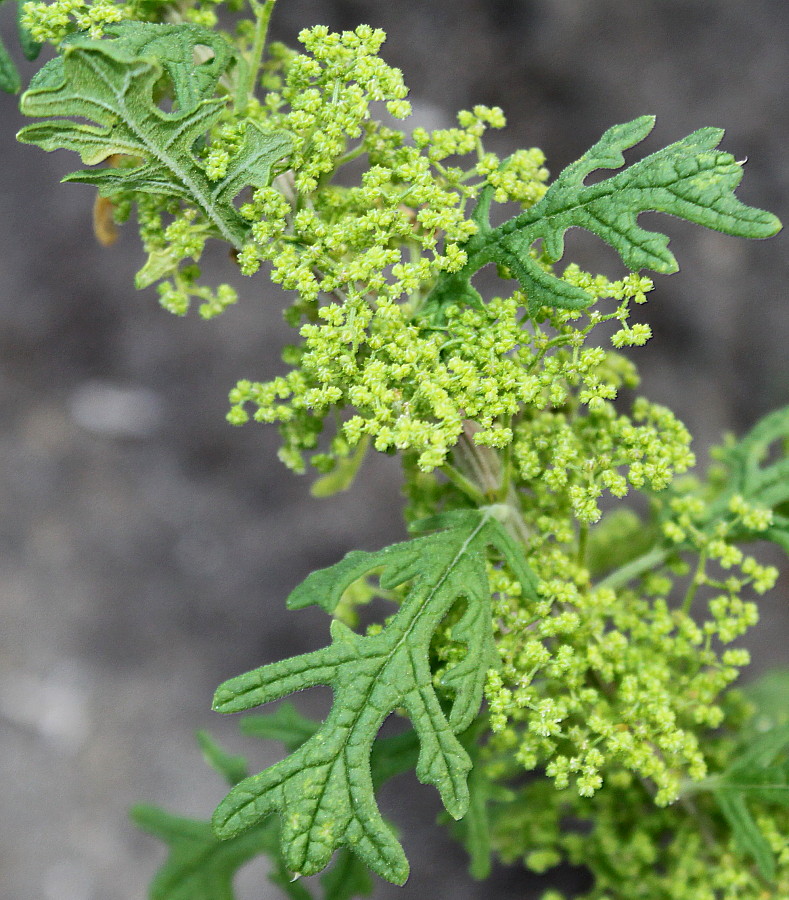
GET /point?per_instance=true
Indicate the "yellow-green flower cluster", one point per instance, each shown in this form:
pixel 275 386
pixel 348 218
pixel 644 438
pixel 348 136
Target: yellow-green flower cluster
pixel 411 390
pixel 601 683
pixel 569 460
pixel 597 680
pixel 226 140
pixel 51 22
pixel 593 682
pixel 442 143
pixel 389 237
pixel 635 850
pixel 719 558
pixel 167 247
pixel 405 223
pixel 176 295
pixel 326 97
pixel 520 178
pixel 184 237
pixel 363 239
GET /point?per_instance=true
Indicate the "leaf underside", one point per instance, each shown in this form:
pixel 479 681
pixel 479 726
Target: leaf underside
pixel 761 773
pixel 324 791
pixel 690 179
pixel 473 830
pixel 761 485
pixel 201 866
pixel 113 83
pixel 10 80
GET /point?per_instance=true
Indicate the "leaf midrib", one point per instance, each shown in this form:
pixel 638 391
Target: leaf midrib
pixel 169 161
pixel 388 654
pixel 389 657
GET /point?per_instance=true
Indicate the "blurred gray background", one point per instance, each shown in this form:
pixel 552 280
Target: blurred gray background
pixel 146 547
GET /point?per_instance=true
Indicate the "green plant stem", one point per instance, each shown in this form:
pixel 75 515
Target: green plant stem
pixel 506 469
pixel 710 783
pixel 619 577
pixel 583 535
pixel 692 809
pixel 695 582
pixel 261 31
pixel 350 155
pixel 464 484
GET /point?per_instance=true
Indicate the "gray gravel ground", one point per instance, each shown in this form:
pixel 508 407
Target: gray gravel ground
pixel 146 547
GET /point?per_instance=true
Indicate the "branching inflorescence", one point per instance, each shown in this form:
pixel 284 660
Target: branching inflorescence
pixel 601 643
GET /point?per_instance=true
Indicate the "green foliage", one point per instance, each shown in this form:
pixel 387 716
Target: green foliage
pixel 202 867
pixel 232 768
pixel 761 772
pixel 10 81
pixel 473 831
pixel 112 82
pixel 30 46
pixel 606 660
pixel 325 787
pixel 342 473
pixel 769 695
pixel 9 74
pixel 765 488
pixel 689 179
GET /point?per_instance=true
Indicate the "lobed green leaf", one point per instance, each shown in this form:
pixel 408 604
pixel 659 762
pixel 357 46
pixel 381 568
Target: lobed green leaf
pixel 31 48
pixel 201 866
pixel 473 831
pixel 113 83
pixel 325 791
pixel 756 774
pixel 232 768
pixel 286 724
pixel 10 81
pixel 690 179
pixel 760 485
pixel 769 694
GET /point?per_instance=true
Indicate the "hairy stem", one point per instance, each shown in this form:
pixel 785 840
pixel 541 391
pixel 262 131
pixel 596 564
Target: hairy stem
pixel 650 560
pixel 263 16
pixel 583 535
pixel 698 579
pixel 464 484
